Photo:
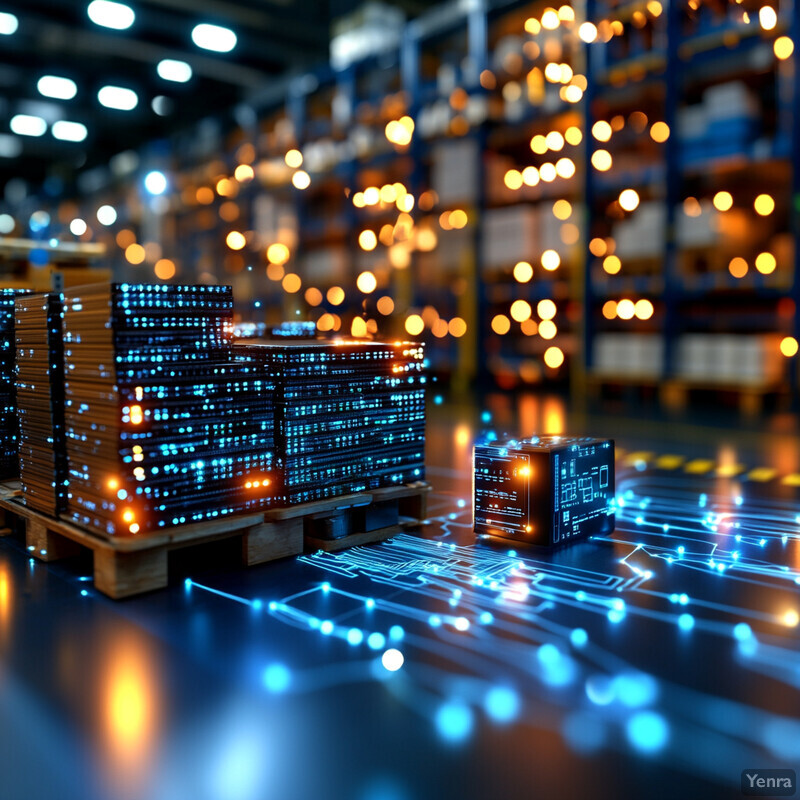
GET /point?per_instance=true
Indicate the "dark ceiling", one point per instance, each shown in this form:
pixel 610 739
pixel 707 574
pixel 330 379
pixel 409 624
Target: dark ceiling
pixel 58 38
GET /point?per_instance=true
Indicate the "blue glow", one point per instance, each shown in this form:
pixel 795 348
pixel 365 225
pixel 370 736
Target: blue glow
pixel 187 584
pixel 396 633
pixel 683 599
pixel 742 631
pixel 615 616
pixel 686 622
pixel 277 678
pixel 438 400
pixel 647 731
pixel 635 689
pixel 502 704
pixel 600 690
pixel 84 593
pixel 434 621
pixel 326 627
pixel 370 603
pixel 548 654
pixel 486 618
pixel 782 736
pixel 579 637
pixel 155 182
pixel 355 636
pixel 486 416
pixel 326 587
pixel 376 641
pixel 454 721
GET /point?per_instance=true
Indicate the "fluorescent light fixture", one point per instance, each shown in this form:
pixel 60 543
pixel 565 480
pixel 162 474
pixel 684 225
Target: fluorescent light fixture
pixel 155 182
pixel 28 125
pixel 172 70
pixel 214 37
pixel 106 215
pixel 111 15
pixel 118 98
pixel 69 131
pixel 57 88
pixel 8 24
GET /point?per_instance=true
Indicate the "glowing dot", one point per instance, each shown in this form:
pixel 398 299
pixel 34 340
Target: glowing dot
pixel 742 632
pixel 764 205
pixel 601 160
pixel 647 731
pixel 502 704
pixel 293 159
pixel 610 309
pixel 513 179
pixel 367 240
pixel 392 660
pixel 326 627
pixel 766 263
pixel 366 282
pixel 335 295
pixel 354 636
pixel 562 209
pixel 301 179
pixel 643 309
pixel 601 131
pixel 579 637
pixel 291 283
pixel 278 253
pixel 457 327
pixel 523 272
pixel 461 624
pixel 625 309
pixel 164 269
pixel 134 253
pixel 376 641
pixel 521 310
pixel 587 32
pixel 454 721
pixel 686 622
pixel 277 678
pixel 501 324
pixel 396 633
pixel 629 199
pixel 78 227
pixel 791 618
pixel 612 265
pixel 548 330
pixel 789 346
pixel 414 324
pixel 783 47
pixel 550 260
pixel 385 305
pixel 723 201
pixel 546 309
pixel 767 18
pixel 553 357
pixel 738 267
pixel 235 240
pixel 659 132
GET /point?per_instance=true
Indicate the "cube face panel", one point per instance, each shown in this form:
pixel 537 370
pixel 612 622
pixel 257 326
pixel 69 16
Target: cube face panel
pixel 546 491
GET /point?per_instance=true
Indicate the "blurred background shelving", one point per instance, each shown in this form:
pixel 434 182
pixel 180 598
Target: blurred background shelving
pixel 594 195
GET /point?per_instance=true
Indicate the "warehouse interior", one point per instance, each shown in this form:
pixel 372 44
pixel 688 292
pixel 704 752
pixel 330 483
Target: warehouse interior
pixel 586 213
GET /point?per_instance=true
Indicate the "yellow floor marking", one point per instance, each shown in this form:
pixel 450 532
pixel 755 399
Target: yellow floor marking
pixel 762 474
pixel 729 470
pixel 792 480
pixel 634 458
pixel 699 466
pixel 669 461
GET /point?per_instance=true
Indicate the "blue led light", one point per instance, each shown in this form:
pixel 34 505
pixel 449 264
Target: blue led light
pixel 502 704
pixel 635 689
pixel 454 721
pixel 686 622
pixel 277 678
pixel 396 633
pixel 326 628
pixel 742 631
pixel 647 731
pixel 355 636
pixel 579 637
pixel 376 641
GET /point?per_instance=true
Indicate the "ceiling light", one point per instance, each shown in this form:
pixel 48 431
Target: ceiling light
pixel 111 15
pixel 69 131
pixel 172 70
pixel 214 37
pixel 27 125
pixel 57 88
pixel 8 24
pixel 118 98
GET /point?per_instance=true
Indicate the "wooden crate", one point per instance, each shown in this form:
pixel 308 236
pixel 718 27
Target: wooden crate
pixel 129 565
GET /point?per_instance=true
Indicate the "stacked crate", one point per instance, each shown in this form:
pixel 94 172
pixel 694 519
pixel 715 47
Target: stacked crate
pixel 163 426
pixel 40 401
pixel 349 415
pixel 9 427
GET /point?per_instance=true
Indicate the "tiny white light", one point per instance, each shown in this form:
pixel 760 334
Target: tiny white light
pixel 155 182
pixel 56 87
pixel 111 15
pixel 69 131
pixel 27 125
pixel 118 98
pixel 392 659
pixel 171 70
pixel 8 24
pixel 214 37
pixel 77 227
pixel 106 215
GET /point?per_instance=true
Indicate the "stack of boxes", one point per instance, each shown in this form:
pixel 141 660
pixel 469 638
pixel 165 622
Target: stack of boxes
pixel 9 428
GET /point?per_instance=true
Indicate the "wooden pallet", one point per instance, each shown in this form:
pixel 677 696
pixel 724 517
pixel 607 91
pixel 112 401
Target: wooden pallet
pixel 129 565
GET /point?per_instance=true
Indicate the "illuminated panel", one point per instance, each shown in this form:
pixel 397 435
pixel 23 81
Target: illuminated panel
pixel 544 490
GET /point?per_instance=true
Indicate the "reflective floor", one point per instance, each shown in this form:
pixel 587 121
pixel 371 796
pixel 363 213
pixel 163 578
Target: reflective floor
pixel 659 662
